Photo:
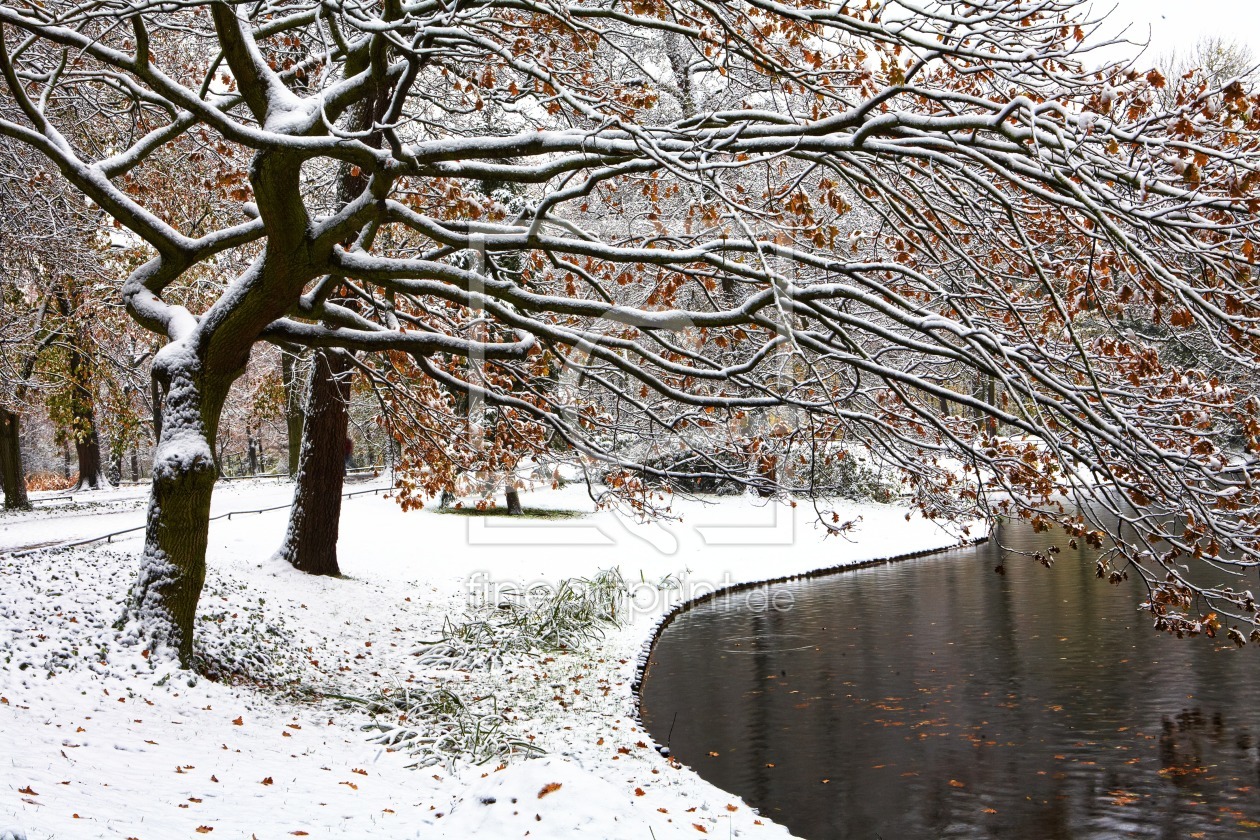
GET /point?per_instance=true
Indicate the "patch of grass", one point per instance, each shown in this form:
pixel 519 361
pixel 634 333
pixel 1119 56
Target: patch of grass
pixel 527 513
pixel 438 726
pixel 540 619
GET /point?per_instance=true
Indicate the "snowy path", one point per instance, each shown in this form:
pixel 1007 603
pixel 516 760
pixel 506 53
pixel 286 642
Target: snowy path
pixel 104 512
pixel 98 749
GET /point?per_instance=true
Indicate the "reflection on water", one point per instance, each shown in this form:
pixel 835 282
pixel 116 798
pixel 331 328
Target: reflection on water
pixel 934 698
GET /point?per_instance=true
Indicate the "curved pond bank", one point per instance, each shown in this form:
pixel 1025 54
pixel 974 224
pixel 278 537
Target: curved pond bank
pixel 934 698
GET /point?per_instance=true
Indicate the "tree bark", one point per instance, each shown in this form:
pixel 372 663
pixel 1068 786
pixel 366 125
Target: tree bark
pixel 12 476
pixel 513 502
pixel 314 520
pixel 292 408
pixel 156 393
pixel 163 603
pixel 88 450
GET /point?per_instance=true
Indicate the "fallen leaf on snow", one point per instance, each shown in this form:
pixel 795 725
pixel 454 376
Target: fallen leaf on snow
pixel 240 721
pixel 204 829
pixel 27 790
pixel 267 781
pixel 550 787
pixel 700 828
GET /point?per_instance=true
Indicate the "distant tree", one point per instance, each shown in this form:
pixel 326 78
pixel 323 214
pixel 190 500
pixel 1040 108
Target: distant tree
pixel 310 543
pixel 1217 59
pixel 293 399
pixel 687 248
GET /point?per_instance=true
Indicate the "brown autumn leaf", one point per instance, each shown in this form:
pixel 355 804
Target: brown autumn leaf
pixel 732 808
pixel 954 783
pixel 700 828
pixel 298 833
pixel 27 790
pixel 240 721
pixel 639 792
pixel 204 829
pixel 550 787
pixel 360 772
pixel 267 781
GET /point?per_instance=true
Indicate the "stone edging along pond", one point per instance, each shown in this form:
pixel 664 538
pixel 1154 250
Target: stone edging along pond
pixel 649 645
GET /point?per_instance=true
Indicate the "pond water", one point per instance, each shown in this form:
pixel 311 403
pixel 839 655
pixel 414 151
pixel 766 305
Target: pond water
pixel 934 698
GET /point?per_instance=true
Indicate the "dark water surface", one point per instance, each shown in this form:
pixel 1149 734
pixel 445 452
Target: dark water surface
pixel 934 698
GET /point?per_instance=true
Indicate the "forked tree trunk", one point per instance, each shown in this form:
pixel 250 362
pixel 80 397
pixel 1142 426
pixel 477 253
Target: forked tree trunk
pixel 12 476
pixel 292 409
pixel 314 520
pixel 163 603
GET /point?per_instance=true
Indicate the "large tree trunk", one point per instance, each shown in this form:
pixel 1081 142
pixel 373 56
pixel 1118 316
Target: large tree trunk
pixel 513 498
pixel 314 520
pixel 292 408
pixel 163 603
pixel 91 469
pixel 12 476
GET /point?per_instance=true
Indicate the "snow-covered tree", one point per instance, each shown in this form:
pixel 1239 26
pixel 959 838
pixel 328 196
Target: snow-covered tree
pixel 794 231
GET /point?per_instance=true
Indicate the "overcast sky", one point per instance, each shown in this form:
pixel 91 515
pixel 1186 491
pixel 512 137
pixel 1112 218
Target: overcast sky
pixel 1179 23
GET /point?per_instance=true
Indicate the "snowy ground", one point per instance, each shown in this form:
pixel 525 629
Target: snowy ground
pixel 96 741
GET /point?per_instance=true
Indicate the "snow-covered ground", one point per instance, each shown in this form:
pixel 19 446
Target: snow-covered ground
pixel 96 741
